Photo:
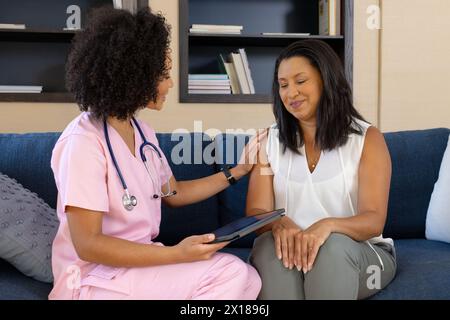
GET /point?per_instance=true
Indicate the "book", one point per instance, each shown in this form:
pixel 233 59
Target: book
pixel 195 91
pixel 227 67
pixel 329 17
pixel 207 76
pixel 293 34
pixel 338 17
pixel 209 87
pixel 217 27
pixel 225 31
pixel 12 26
pixel 209 82
pixel 130 5
pixel 247 70
pixel 20 89
pixel 240 71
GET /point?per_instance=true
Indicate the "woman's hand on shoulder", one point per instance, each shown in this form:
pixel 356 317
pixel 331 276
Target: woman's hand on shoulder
pixel 252 154
pixel 284 233
pixel 195 248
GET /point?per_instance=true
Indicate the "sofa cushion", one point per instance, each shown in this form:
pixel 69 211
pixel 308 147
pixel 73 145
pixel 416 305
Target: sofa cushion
pixel 416 158
pixel 26 158
pixel 423 271
pixel 184 154
pixel 27 229
pixel 15 286
pixel 437 225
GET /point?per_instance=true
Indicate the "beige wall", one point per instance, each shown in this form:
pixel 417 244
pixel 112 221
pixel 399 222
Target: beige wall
pixel 394 87
pixel 365 63
pixel 415 64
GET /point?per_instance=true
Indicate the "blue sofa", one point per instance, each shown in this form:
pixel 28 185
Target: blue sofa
pixel 423 265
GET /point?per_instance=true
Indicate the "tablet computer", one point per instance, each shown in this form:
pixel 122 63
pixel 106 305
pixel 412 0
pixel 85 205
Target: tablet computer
pixel 243 226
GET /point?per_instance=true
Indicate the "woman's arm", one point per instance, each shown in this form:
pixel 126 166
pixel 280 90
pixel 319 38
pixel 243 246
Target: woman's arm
pixel 93 246
pixel 193 191
pixel 374 181
pixel 260 198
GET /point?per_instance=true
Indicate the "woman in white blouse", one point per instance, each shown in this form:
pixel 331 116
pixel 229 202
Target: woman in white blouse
pixel 331 171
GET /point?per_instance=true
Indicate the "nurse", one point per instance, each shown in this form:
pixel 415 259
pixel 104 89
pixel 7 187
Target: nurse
pixel 109 200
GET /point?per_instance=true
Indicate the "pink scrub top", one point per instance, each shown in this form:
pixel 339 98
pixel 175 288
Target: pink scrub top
pixel 86 178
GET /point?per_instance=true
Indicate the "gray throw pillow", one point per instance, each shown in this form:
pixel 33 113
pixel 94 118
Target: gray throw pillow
pixel 27 229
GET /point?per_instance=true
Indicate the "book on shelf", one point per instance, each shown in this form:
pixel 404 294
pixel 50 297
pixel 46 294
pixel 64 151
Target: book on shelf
pixel 291 34
pixel 209 82
pixel 201 31
pixel 213 28
pixel 212 91
pixel 130 5
pixel 226 66
pixel 20 89
pixel 12 26
pixel 248 74
pixel 240 71
pixel 217 27
pixel 330 17
pixel 209 87
pixel 207 77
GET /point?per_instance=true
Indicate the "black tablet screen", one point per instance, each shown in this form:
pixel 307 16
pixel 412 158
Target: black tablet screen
pixel 245 225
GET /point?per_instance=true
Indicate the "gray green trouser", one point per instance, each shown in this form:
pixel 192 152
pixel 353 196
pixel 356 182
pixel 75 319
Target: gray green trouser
pixel 343 269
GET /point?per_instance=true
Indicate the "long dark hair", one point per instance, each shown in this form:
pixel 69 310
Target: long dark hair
pixel 335 113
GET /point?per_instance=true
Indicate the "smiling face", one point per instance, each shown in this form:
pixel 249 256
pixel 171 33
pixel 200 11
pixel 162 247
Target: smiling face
pixel 300 88
pixel 163 89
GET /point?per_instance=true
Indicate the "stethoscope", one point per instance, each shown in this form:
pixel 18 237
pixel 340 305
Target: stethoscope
pixel 130 201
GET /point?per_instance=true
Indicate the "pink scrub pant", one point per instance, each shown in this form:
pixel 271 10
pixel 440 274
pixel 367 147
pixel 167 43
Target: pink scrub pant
pixel 223 277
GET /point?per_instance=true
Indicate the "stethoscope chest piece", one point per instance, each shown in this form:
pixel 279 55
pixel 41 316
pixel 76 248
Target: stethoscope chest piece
pixel 129 202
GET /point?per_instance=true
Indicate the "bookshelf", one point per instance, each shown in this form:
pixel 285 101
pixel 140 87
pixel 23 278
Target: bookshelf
pixel 37 55
pixel 199 52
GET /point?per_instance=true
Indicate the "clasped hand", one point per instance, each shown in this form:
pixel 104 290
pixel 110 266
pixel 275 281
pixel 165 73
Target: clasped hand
pixel 297 247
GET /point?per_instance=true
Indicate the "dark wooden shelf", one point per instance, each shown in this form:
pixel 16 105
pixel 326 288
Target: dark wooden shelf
pixel 199 52
pixel 36 34
pixel 37 97
pixel 226 98
pixel 251 39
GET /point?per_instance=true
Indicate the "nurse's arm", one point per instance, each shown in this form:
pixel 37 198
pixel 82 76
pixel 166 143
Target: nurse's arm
pixel 192 191
pixel 260 196
pixel 93 246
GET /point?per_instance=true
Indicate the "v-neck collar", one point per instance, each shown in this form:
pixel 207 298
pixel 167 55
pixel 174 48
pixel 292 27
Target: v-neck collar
pixel 124 144
pixel 306 161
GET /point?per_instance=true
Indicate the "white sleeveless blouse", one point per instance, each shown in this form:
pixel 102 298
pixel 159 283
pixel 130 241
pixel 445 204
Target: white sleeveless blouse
pixel 331 190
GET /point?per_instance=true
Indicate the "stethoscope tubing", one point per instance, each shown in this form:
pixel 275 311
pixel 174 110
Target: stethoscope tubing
pixel 128 200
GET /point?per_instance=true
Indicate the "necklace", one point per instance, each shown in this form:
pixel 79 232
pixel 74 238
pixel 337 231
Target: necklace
pixel 313 164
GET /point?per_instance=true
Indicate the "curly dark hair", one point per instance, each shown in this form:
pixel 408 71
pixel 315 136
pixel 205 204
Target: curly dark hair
pixel 335 113
pixel 116 63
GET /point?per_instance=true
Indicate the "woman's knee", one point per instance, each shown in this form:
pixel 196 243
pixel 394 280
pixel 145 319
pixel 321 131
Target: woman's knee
pixel 337 246
pixel 263 249
pixel 339 251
